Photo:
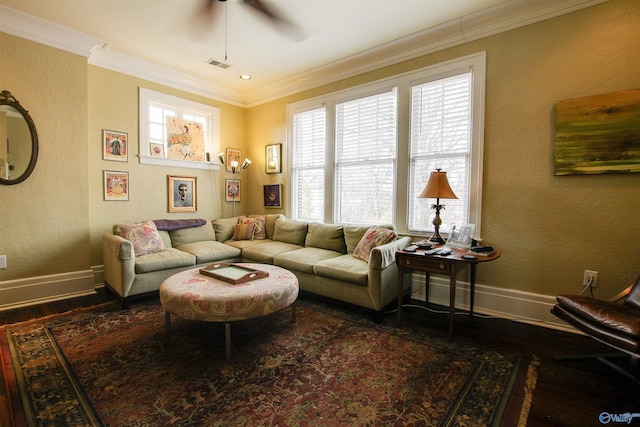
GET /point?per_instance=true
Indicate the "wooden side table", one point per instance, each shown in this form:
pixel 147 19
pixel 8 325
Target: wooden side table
pixel 445 265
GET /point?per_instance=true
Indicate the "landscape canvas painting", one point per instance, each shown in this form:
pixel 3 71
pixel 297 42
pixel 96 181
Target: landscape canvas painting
pixel 598 134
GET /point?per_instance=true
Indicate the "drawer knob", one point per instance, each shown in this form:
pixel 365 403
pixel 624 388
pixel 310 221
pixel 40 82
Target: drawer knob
pixel 407 261
pixel 442 266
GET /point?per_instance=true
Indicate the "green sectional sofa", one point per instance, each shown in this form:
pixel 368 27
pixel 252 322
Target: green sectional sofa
pixel 353 264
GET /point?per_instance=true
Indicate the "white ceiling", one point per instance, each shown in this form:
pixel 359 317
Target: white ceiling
pixel 177 35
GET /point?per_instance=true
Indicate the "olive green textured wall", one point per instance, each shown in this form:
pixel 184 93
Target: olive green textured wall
pixel 44 221
pixel 550 229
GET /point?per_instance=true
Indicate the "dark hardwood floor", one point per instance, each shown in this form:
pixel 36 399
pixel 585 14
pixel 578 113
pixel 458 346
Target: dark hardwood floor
pixel 567 393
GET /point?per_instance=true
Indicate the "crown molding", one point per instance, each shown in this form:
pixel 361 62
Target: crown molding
pixel 502 17
pixel 47 33
pixel 505 16
pixel 133 66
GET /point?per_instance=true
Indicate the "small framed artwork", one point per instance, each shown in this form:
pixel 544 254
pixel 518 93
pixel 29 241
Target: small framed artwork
pixel 115 145
pixel 273 196
pixel 183 193
pixel 156 150
pixel 273 158
pixel 116 185
pixel 232 190
pixel 460 236
pixel 233 155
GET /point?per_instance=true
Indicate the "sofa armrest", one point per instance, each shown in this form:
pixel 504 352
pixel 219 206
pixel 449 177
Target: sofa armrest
pixel 383 256
pixel 119 259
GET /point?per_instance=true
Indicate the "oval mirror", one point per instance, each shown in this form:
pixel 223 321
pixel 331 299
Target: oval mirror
pixel 18 141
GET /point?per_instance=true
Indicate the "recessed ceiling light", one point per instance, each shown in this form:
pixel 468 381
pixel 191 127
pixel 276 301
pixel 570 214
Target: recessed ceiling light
pixel 245 76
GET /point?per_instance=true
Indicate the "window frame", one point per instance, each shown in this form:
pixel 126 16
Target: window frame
pixel 404 82
pixel 212 140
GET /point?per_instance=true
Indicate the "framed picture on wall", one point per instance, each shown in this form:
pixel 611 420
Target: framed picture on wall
pixel 273 158
pixel 232 190
pixel 233 155
pixel 182 193
pixel 115 145
pixel 116 185
pixel 273 196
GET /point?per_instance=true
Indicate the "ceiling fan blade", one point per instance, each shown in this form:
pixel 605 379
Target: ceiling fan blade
pixel 275 17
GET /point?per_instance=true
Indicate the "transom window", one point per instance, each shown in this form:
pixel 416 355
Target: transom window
pixel 176 131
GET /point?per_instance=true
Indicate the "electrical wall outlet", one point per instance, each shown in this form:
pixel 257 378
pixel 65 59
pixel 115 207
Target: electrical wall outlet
pixel 3 261
pixel 590 278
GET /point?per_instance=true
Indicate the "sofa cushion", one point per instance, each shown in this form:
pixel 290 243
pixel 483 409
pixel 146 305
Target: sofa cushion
pixel 354 233
pixel 270 223
pixel 243 232
pixel 143 236
pixel 375 236
pixel 259 222
pixel 210 251
pixel 302 260
pixel 164 260
pixel 326 236
pixel 345 267
pixel 224 228
pixel 264 252
pixel 183 236
pixel 290 231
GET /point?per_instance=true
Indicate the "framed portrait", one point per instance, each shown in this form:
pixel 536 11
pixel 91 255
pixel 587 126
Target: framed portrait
pixel 232 190
pixel 156 150
pixel 183 193
pixel 273 158
pixel 460 236
pixel 233 155
pixel 115 145
pixel 273 196
pixel 116 185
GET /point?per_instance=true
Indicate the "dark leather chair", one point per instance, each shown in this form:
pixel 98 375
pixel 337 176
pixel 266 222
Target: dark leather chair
pixel 608 321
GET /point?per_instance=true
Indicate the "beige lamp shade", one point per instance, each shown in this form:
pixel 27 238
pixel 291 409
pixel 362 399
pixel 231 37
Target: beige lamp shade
pixel 438 187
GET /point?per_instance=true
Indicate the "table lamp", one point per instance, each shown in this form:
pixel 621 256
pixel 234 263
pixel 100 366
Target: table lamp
pixel 437 188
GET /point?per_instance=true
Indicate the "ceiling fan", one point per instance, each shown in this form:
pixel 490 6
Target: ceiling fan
pixel 210 8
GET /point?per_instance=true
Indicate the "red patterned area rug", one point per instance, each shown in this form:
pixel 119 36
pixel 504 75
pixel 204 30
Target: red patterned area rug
pixel 330 368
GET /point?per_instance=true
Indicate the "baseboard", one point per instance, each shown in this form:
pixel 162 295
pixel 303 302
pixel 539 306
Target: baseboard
pixel 519 306
pixel 36 290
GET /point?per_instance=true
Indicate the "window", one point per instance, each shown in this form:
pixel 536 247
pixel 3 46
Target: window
pixel 308 164
pixel 440 138
pixel 365 149
pixel 191 146
pixel 373 147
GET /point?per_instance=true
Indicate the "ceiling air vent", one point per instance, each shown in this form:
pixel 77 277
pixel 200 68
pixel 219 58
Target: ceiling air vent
pixel 219 64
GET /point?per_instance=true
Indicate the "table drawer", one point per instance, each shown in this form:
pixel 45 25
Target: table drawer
pixel 426 264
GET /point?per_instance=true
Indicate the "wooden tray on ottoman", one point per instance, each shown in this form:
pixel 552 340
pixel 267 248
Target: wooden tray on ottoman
pixel 233 273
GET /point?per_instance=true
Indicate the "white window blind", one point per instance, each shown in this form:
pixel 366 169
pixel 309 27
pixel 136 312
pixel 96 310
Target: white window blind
pixel 441 125
pixel 308 164
pixel 366 159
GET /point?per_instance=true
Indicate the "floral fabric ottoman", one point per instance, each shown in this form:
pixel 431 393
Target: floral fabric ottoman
pixel 194 296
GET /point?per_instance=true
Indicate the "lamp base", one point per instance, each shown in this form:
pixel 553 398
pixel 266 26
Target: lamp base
pixel 437 238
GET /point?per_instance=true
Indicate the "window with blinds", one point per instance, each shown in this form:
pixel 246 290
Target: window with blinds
pixel 440 138
pixel 365 155
pixel 308 165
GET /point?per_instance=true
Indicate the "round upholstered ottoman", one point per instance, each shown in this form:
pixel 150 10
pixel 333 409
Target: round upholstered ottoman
pixel 195 296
